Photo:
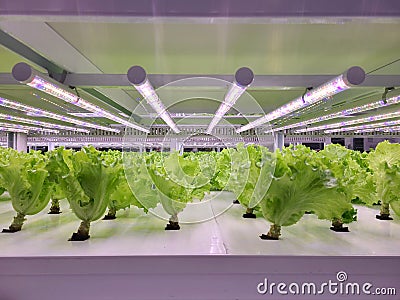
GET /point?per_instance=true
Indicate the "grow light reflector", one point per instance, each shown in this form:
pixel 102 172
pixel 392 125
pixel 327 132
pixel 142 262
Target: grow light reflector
pixel 343 113
pixel 375 118
pixel 23 73
pixel 40 123
pixel 352 77
pixel 243 78
pixel 33 111
pixel 137 76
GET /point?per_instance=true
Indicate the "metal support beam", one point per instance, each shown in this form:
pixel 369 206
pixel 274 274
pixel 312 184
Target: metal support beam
pixel 328 140
pixel 279 140
pixel 260 81
pixel 11 140
pixel 21 142
pixel 87 10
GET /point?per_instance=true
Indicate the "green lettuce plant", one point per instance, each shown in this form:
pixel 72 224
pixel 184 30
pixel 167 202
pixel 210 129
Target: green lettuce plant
pixel 88 182
pixel 26 179
pixel 222 173
pixel 300 184
pixel 123 196
pixel 57 194
pixel 178 180
pixel 384 162
pixel 352 180
pixel 250 176
pixel 136 176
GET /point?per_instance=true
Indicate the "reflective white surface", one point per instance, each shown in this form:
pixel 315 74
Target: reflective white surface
pixel 135 233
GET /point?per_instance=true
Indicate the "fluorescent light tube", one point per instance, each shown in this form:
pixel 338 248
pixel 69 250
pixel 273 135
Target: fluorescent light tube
pixel 243 78
pixel 23 73
pixel 343 113
pixel 40 123
pixel 8 129
pixel 365 126
pixel 352 77
pixel 374 118
pixel 27 128
pixel 33 111
pixel 384 129
pixel 138 78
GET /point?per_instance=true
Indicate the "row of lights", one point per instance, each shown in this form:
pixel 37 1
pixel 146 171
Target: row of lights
pixel 138 78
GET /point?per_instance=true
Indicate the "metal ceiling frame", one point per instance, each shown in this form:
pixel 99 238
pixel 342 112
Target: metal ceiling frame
pixel 202 9
pixel 88 81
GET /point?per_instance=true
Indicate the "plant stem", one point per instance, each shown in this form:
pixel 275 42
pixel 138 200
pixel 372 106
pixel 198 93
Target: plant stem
pixel 17 223
pixel 385 209
pixel 274 231
pixel 55 206
pixel 111 214
pixel 173 223
pixel 83 229
pixel 249 210
pixel 337 223
pixel 83 232
pixel 174 218
pixel 249 213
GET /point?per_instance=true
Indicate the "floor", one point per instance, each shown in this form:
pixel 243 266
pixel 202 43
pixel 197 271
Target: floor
pixel 135 233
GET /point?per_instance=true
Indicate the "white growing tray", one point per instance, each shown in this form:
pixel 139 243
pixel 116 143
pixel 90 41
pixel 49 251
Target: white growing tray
pixel 133 257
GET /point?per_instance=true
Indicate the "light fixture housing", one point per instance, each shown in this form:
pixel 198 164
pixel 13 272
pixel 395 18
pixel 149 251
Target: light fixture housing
pixel 243 79
pixel 352 77
pixel 24 73
pixel 37 112
pixel 137 76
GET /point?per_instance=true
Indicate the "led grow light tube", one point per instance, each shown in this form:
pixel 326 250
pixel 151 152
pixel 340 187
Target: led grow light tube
pixel 9 129
pixel 40 123
pixel 345 112
pixel 364 126
pixel 138 78
pixel 384 129
pixel 392 115
pixel 352 77
pixel 243 78
pixel 27 128
pixel 33 111
pixel 23 73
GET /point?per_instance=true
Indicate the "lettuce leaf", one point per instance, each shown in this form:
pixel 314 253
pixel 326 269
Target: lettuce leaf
pixel 384 162
pixel 177 179
pixel 139 180
pixel 299 186
pixel 25 177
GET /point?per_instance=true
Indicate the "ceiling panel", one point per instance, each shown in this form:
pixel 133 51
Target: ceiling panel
pixel 222 48
pixel 8 59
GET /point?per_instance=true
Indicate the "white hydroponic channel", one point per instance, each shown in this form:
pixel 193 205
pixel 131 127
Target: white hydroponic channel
pixel 135 233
